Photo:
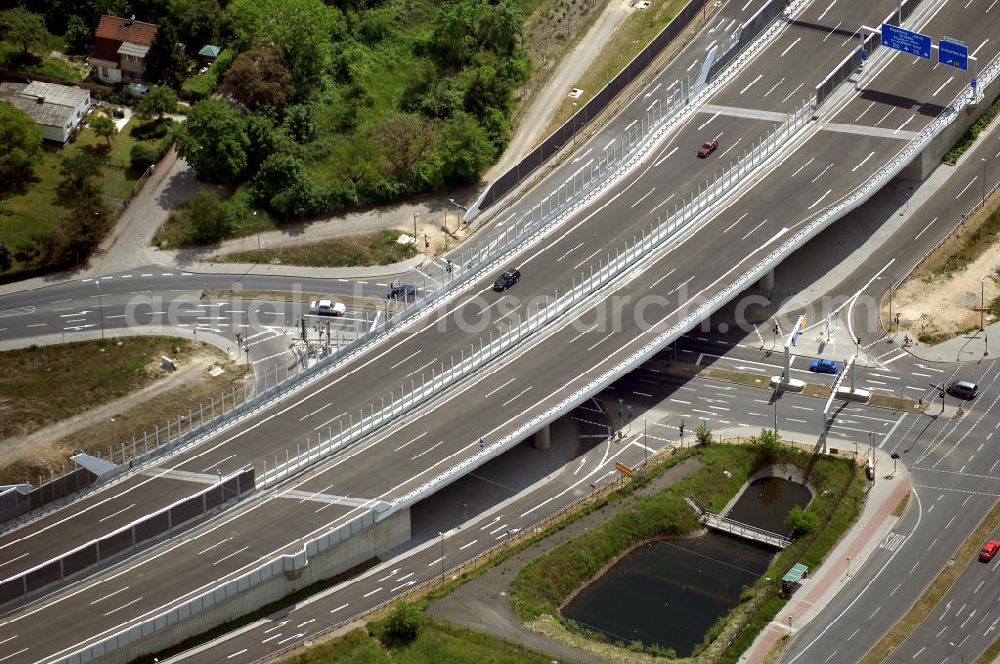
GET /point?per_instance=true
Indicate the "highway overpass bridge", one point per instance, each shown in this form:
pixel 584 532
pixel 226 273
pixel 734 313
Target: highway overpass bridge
pixel 350 507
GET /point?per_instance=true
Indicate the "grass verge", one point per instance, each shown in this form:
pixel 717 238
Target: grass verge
pixel 543 585
pixel 435 641
pixel 634 34
pixel 934 592
pixel 354 250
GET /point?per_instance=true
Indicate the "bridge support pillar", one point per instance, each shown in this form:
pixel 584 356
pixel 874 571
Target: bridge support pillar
pixel 767 281
pixel 542 438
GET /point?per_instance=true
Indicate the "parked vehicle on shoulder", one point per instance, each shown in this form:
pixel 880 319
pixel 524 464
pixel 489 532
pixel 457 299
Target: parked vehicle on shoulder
pixel 707 148
pixel 989 550
pixel 963 389
pixel 405 292
pixel 507 279
pixel 824 366
pixel 327 308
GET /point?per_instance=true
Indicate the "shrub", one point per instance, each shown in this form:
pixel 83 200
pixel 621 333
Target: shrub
pixel 769 444
pixel 153 130
pixel 703 433
pixel 801 522
pixel 143 156
pixel 403 624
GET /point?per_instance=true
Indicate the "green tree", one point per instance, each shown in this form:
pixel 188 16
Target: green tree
pixel 20 148
pixel 214 141
pixel 103 126
pixel 464 28
pixel 403 623
pixel 77 35
pixel 79 232
pixel 199 21
pixel 465 150
pixel 206 217
pixel 6 257
pixel 265 139
pixel 300 125
pixel 167 64
pixel 157 101
pixel 769 444
pixel 406 140
pixel 257 78
pixel 24 28
pixel 801 522
pixel 76 169
pixel 143 156
pixel 703 434
pixel 302 29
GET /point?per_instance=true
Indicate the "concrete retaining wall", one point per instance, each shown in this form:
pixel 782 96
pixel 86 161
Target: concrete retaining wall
pixel 785 471
pixel 925 163
pixel 371 542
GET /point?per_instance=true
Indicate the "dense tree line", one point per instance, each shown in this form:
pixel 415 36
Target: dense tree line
pixel 327 105
pixel 304 65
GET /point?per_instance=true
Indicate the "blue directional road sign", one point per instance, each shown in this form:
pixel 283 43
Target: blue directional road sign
pixel 953 53
pixel 906 41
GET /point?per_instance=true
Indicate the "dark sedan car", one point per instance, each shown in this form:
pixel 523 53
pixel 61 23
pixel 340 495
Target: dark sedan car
pixel 507 279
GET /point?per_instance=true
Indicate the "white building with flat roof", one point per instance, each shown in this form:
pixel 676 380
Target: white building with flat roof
pixel 59 109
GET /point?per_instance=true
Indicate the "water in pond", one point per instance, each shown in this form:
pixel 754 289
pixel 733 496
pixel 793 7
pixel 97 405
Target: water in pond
pixel 670 592
pixel 766 502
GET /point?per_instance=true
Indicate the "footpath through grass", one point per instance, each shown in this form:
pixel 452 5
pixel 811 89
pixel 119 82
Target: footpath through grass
pixel 354 250
pixel 41 385
pixel 542 586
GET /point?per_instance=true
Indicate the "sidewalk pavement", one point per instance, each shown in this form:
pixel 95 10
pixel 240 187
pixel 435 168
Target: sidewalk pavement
pixel 244 269
pixel 850 553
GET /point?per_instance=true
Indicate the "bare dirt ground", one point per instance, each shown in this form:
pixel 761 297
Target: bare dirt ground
pixel 484 603
pixel 47 450
pixel 940 305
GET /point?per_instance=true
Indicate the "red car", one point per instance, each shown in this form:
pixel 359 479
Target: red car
pixel 989 550
pixel 708 148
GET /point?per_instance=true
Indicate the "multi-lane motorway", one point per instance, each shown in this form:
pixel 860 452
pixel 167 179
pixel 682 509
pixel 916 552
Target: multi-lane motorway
pixel 541 374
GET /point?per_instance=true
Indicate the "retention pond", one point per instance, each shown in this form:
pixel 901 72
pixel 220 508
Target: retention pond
pixel 670 592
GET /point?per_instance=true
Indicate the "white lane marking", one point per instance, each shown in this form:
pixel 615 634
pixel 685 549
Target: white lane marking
pixel 494 391
pixel 820 199
pixel 514 398
pixel 588 330
pixel 376 590
pixel 657 282
pixel 238 652
pixel 466 546
pixel 12 560
pixel 663 158
pixel 829 166
pixel 415 457
pixel 748 85
pixel 730 226
pixel 791 93
pixel 950 79
pixel 561 257
pixel 863 161
pixel 645 196
pixel 797 40
pixel 811 160
pixel 917 236
pixel 123 606
pixel 705 123
pixel 753 229
pixel 966 187
pixel 408 357
pixel 342 606
pixel 234 553
pixel 120 590
pixel 603 339
pixel 114 514
pixel 820 17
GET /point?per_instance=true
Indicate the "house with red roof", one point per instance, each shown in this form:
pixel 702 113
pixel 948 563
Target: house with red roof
pixel 120 48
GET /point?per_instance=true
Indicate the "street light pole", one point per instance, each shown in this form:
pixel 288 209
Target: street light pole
pixel 415 228
pixel 442 556
pixel 983 159
pixel 100 305
pixel 257 219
